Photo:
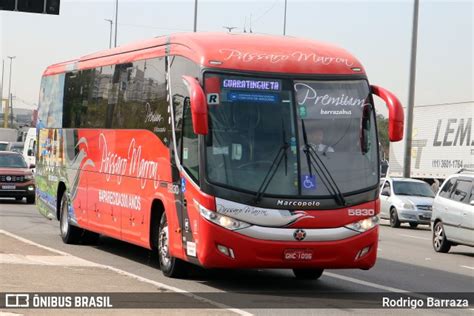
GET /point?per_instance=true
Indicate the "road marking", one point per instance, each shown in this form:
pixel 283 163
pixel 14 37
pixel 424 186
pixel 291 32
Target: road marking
pixel 66 261
pixel 134 276
pixel 374 285
pixel 424 238
pixel 468 267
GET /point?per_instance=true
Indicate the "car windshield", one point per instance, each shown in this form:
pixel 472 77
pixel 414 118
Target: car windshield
pixel 337 118
pixel 257 132
pixel 412 188
pixel 12 161
pixel 251 127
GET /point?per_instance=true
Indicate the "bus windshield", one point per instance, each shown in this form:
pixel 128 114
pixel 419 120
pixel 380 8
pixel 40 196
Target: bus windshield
pixel 256 131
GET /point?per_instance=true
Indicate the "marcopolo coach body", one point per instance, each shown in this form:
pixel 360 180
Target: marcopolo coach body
pixel 220 150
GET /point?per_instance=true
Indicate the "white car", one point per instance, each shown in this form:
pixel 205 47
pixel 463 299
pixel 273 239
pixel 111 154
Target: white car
pixel 404 200
pixel 453 212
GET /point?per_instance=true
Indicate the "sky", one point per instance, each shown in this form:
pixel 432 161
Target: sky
pixel 378 33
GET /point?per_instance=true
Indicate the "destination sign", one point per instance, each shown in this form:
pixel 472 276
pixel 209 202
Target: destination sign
pixel 251 84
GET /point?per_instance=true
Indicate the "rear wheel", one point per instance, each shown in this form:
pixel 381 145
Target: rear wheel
pixel 308 274
pixel 69 234
pixel 170 266
pixel 440 243
pixel 413 225
pixel 394 222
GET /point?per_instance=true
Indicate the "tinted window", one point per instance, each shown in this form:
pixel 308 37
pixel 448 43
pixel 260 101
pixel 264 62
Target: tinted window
pixel 412 188
pixel 12 161
pixel 447 187
pixel 461 191
pixel 3 146
pixel 190 144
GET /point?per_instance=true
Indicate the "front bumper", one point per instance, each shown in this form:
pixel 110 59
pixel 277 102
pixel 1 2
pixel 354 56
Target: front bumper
pixel 21 189
pixel 257 253
pixel 414 216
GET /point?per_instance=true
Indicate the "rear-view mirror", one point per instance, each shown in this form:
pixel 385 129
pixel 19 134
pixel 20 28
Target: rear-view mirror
pixel 386 192
pixel 395 113
pixel 198 105
pixel 30 152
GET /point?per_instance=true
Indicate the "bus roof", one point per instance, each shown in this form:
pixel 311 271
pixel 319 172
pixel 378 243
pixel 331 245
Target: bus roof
pixel 245 52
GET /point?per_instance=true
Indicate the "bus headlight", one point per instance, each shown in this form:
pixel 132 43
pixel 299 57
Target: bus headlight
pixel 364 225
pixel 221 220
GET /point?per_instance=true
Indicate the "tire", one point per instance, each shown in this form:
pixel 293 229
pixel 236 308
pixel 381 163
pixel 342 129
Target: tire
pixel 30 199
pixel 170 266
pixel 440 242
pixel 394 222
pixel 18 198
pixel 413 225
pixel 69 234
pixel 308 274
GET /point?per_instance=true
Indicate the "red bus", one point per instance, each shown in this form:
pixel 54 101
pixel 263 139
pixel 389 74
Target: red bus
pixel 220 150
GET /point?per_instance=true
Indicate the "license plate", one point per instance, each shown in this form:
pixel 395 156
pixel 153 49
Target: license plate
pixel 8 187
pixel 298 254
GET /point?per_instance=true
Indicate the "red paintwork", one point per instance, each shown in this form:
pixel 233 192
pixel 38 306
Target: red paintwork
pixel 114 152
pixel 332 218
pixel 245 52
pixel 395 113
pixel 255 253
pixel 198 105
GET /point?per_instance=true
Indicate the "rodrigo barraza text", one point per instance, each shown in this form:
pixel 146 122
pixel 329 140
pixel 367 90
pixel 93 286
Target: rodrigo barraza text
pixel 428 302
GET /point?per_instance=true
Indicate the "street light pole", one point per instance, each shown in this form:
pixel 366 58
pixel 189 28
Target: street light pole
pixel 284 20
pixel 111 23
pixel 1 86
pixel 116 22
pixel 411 95
pixel 195 15
pixel 10 89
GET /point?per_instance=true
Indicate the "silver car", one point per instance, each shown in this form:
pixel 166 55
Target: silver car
pixel 405 200
pixel 453 212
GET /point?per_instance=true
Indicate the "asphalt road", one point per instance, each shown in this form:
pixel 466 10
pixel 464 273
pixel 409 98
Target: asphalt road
pixel 406 262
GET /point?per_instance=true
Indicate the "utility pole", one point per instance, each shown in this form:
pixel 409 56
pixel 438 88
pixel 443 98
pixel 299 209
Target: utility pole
pixel 195 15
pixel 411 94
pixel 284 21
pixel 1 85
pixel 110 37
pixel 9 90
pixel 116 22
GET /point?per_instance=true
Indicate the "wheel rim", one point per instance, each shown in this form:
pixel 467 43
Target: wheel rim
pixel 392 218
pixel 438 236
pixel 64 224
pixel 163 246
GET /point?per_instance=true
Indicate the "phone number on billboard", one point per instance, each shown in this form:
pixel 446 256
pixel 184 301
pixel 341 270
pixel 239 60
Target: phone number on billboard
pixel 446 163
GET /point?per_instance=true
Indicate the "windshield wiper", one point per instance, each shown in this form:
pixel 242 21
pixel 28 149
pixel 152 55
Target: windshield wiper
pixel 282 153
pixel 314 160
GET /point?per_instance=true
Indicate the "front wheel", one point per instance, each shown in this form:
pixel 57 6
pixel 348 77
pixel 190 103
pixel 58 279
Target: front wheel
pixel 440 243
pixel 170 266
pixel 394 221
pixel 308 274
pixel 69 234
pixel 30 199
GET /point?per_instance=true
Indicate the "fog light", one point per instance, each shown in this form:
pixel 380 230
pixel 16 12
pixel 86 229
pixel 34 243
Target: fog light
pixel 226 251
pixel 362 252
pixel 223 250
pixel 31 188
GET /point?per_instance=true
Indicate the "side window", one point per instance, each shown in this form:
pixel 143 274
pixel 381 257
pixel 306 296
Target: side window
pixel 386 186
pixel 190 152
pixel 99 96
pixel 461 191
pixel 447 188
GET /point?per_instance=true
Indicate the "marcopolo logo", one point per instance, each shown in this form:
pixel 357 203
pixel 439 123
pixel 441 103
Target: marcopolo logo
pixel 298 203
